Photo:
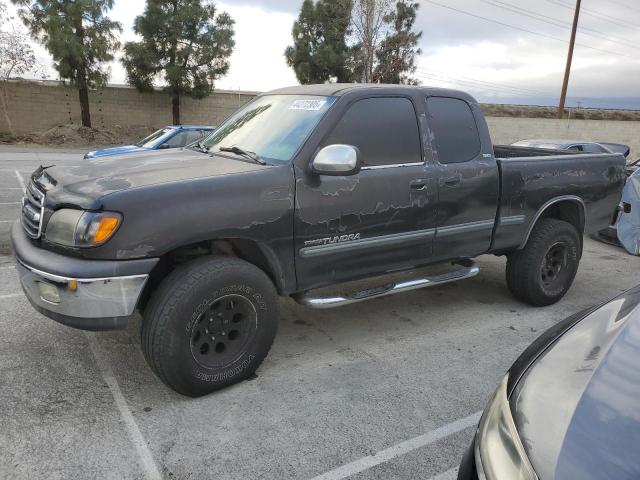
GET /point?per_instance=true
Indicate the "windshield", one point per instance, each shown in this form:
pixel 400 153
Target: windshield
pixel 272 126
pixel 150 141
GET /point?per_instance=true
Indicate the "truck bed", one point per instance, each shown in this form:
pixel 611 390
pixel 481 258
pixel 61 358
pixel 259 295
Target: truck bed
pixel 531 179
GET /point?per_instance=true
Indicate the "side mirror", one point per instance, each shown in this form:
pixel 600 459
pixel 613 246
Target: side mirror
pixel 337 160
pixel 164 146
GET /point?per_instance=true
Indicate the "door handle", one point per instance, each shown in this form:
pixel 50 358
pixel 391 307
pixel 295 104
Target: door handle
pixel 418 185
pixel 450 181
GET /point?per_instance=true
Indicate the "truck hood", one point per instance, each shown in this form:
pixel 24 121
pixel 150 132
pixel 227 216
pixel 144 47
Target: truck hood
pixel 84 184
pixel 577 409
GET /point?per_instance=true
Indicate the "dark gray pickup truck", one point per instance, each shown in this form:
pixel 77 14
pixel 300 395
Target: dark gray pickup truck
pixel 301 189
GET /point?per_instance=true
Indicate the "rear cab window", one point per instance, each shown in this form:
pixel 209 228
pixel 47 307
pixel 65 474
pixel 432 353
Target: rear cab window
pixel 455 130
pixel 384 129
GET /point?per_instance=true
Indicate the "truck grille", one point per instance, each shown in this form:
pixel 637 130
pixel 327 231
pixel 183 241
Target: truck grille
pixel 33 210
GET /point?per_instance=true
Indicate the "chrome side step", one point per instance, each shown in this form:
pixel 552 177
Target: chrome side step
pixel 469 269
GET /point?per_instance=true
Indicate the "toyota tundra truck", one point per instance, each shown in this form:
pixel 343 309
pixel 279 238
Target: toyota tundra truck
pixel 320 193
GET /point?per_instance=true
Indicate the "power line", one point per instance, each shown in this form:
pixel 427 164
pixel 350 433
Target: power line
pixel 462 83
pixel 548 97
pixel 625 5
pixel 513 88
pixel 555 22
pixel 599 15
pixel 464 12
pixel 480 85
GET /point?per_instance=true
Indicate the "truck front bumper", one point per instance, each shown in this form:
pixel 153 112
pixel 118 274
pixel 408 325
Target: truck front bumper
pixel 85 294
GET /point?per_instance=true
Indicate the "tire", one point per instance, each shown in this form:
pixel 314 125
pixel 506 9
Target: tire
pixel 542 272
pixel 209 324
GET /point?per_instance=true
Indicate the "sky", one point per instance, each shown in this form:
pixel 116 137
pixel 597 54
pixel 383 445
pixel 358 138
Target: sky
pixel 505 51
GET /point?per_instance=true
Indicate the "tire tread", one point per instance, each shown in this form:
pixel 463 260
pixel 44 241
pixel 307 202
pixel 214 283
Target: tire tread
pixel 522 263
pixel 165 299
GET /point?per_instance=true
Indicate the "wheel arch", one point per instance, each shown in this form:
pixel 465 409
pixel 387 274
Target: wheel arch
pixel 250 251
pixel 569 208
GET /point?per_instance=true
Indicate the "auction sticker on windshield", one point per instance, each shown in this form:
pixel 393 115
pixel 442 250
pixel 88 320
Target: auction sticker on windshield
pixel 311 105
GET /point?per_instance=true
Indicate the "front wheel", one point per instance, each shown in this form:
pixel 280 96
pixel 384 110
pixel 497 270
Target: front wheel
pixel 210 324
pixel 543 271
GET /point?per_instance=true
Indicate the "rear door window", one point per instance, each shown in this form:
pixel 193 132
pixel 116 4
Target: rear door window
pixel 454 128
pixel 385 130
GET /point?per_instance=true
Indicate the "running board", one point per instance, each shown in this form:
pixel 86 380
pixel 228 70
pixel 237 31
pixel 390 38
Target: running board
pixel 469 269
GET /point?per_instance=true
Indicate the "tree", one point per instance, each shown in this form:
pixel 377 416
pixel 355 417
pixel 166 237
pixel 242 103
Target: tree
pixel 80 38
pixel 369 20
pixel 355 40
pixel 320 52
pixel 185 43
pixel 16 58
pixel 396 53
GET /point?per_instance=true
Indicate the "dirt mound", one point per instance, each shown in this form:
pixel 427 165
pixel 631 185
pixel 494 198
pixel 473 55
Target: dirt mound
pixel 72 135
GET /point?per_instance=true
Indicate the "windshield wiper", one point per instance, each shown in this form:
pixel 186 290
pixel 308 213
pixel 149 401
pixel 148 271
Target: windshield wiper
pixel 199 146
pixel 244 153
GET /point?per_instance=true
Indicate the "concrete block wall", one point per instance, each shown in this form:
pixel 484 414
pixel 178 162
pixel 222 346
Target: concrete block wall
pixel 38 106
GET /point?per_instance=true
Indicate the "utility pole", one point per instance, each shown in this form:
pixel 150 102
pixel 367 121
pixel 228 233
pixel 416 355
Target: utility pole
pixel 567 70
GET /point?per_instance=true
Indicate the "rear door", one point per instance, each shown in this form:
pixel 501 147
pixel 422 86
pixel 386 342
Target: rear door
pixel 382 218
pixel 468 178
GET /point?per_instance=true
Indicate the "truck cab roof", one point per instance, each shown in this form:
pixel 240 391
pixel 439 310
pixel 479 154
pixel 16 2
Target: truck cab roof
pixel 339 89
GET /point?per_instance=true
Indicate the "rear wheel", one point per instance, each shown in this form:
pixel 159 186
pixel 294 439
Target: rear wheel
pixel 543 271
pixel 210 324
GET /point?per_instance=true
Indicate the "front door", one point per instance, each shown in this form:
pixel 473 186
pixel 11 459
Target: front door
pixel 378 220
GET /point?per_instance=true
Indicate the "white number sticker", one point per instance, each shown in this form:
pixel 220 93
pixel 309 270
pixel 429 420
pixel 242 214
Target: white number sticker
pixel 311 105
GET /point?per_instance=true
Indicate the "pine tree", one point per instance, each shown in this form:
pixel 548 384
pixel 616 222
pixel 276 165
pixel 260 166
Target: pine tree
pixel 80 38
pixel 320 52
pixel 184 44
pixel 396 53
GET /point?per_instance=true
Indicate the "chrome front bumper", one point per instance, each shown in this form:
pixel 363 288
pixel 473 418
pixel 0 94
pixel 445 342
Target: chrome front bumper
pixel 86 303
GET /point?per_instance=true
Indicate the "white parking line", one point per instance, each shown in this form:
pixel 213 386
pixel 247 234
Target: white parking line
pixel 448 475
pixel 11 188
pixel 20 180
pixel 10 295
pixel 148 463
pixel 9 203
pixel 400 449
pixel 8 267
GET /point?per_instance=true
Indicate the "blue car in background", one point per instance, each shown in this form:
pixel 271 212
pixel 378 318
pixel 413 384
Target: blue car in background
pixel 174 136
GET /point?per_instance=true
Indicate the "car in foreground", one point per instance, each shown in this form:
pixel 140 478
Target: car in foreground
pixel 302 188
pixel 569 407
pixel 574 145
pixel 173 136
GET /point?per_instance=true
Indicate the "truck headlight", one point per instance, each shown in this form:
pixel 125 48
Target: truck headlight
pixel 79 228
pixel 499 452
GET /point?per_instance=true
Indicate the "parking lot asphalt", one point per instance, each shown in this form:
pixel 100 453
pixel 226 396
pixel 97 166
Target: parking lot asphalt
pixel 389 388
